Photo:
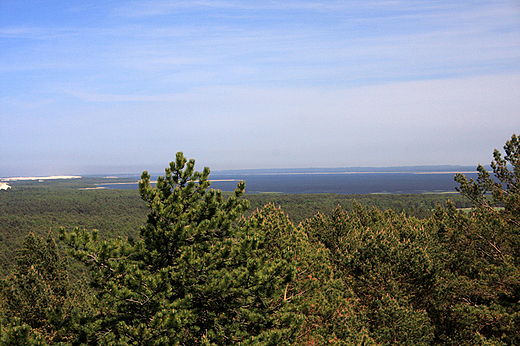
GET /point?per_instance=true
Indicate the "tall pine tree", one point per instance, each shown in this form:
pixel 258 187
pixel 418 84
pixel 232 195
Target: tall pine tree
pixel 194 276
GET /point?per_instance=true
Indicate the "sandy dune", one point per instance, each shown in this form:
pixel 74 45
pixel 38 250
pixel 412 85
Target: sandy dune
pixel 4 186
pixel 51 177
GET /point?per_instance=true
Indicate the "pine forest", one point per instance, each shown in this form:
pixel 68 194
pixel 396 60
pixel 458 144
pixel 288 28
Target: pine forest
pixel 180 263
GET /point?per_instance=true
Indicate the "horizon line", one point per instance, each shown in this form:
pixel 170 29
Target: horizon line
pixel 426 169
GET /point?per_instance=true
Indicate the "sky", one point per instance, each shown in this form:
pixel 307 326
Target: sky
pixel 113 86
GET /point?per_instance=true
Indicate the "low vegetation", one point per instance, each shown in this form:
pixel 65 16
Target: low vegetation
pixel 211 268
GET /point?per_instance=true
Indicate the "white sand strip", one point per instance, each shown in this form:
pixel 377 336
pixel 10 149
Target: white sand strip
pixel 51 177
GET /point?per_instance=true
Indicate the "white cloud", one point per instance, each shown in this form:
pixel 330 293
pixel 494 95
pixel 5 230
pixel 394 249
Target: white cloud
pixel 262 83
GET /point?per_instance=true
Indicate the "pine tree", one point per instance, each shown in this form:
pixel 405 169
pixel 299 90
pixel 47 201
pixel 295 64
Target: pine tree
pixel 38 297
pixel 194 276
pixel 384 259
pixel 504 187
pixel 478 292
pixel 16 333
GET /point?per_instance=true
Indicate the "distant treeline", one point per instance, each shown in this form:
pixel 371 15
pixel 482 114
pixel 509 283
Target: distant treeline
pixel 40 208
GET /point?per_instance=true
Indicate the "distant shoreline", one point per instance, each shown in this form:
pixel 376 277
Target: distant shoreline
pixel 346 172
pixel 50 177
pixel 433 169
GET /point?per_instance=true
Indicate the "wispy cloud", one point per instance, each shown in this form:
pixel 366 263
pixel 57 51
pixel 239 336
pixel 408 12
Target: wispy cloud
pixel 160 8
pixel 106 97
pixel 387 36
pixel 37 33
pixel 345 81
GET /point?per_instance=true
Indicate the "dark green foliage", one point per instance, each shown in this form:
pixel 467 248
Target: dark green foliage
pixel 17 333
pixel 504 188
pixel 40 209
pixel 482 254
pixel 300 207
pixel 202 271
pixel 192 278
pixel 477 295
pixel 385 259
pixel 38 298
pixel 318 307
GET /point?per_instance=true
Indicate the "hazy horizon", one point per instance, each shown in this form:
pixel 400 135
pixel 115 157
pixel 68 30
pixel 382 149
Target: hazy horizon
pixel 259 171
pixel 120 87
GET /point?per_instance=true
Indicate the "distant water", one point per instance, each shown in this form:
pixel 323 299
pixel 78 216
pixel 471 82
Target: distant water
pixel 341 183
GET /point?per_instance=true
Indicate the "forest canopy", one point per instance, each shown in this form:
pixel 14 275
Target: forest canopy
pixel 204 271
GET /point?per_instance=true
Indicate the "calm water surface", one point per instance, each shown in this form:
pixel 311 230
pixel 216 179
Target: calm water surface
pixel 342 183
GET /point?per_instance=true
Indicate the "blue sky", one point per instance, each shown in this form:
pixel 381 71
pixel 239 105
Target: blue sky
pixel 121 86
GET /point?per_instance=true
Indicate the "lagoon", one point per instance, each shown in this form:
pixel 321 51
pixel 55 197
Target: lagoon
pixel 331 182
